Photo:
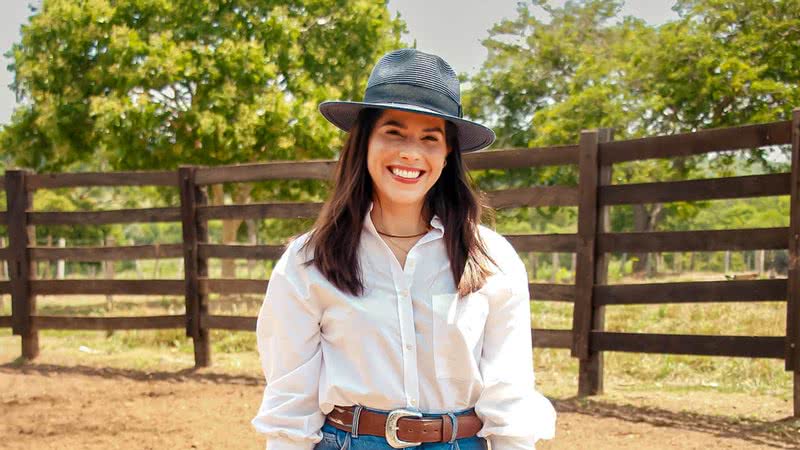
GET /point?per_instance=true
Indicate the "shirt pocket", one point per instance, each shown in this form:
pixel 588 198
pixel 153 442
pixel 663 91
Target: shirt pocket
pixel 458 325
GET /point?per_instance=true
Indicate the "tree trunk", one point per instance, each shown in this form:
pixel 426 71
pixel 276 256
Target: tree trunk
pixel 60 266
pixel 727 262
pixel 534 260
pixel 252 237
pixel 241 196
pixel 760 262
pixel 3 275
pixel 108 270
pixel 644 220
pixel 574 263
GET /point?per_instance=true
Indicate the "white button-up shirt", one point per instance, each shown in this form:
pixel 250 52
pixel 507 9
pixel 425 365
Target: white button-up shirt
pixel 408 342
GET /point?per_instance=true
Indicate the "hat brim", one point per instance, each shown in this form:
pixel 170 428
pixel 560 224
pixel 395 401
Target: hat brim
pixel 472 136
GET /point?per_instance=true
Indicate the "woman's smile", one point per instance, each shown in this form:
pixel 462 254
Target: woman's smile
pixel 404 175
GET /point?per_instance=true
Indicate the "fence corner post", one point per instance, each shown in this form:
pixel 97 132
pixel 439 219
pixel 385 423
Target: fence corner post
pixel 23 304
pixel 792 343
pixel 591 266
pixel 195 232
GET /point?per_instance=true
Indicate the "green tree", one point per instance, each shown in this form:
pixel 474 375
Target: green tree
pixel 143 84
pixel 583 66
pixel 153 84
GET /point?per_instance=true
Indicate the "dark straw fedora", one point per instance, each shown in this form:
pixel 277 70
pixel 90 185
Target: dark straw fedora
pixel 410 80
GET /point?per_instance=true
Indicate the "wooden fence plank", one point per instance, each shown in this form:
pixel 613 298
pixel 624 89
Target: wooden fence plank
pixel 194 267
pixel 5 287
pixel 239 323
pixel 6 321
pixel 588 168
pixel 282 210
pixel 5 253
pixel 694 190
pixel 515 158
pixel 107 287
pixel 129 252
pixel 698 241
pixel 533 196
pixel 564 243
pixel 21 269
pixel 143 178
pixel 144 215
pixel 552 292
pixel 792 343
pixel 704 141
pixel 324 169
pixel 236 251
pixel 677 344
pixel 309 169
pixel 692 292
pixel 543 338
pixel 3 217
pixel 591 265
pixel 559 243
pixel 233 286
pixel 108 323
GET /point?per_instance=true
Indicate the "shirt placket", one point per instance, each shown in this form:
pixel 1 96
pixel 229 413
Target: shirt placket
pixel 408 336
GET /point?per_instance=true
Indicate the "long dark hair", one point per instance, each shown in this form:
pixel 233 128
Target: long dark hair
pixel 336 233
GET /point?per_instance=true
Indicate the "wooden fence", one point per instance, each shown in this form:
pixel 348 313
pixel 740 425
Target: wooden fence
pixel 594 156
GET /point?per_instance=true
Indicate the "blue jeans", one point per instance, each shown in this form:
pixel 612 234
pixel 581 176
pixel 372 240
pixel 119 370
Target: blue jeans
pixel 336 439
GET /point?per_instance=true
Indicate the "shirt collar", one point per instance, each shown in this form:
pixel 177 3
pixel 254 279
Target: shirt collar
pixel 435 222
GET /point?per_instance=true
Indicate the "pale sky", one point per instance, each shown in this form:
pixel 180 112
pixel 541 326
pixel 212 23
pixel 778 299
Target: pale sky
pixel 451 29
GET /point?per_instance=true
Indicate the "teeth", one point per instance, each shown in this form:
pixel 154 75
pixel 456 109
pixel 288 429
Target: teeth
pixel 405 173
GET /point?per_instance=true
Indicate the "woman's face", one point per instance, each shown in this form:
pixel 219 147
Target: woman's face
pixel 405 156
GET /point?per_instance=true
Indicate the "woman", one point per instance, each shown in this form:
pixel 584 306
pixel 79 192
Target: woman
pixel 399 320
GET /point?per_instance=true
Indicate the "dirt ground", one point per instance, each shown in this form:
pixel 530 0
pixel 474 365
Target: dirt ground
pixel 47 406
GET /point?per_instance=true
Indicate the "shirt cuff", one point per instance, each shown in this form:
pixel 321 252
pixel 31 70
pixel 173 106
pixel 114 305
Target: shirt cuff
pixel 510 443
pixel 277 443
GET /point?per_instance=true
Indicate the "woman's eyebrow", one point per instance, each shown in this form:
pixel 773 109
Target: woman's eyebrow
pixel 394 123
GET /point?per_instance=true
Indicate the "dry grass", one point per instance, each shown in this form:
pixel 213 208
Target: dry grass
pixel 556 370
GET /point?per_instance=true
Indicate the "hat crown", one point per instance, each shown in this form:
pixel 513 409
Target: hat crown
pixel 412 67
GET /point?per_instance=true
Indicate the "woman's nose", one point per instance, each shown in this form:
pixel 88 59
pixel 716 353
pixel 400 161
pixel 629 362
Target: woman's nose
pixel 411 150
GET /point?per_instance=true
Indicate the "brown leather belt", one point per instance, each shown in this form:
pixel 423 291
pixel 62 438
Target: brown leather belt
pixel 405 428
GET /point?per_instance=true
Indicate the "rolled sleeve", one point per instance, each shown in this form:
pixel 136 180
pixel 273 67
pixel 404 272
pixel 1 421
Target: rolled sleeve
pixel 515 415
pixel 288 339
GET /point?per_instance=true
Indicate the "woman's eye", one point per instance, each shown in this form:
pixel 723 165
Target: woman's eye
pixel 431 138
pixel 393 132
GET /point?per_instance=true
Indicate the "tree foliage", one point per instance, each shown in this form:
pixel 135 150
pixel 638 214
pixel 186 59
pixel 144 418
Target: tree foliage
pixel 143 84
pixel 554 71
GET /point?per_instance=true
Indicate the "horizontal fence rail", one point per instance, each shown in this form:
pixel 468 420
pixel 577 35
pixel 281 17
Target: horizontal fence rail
pixel 593 157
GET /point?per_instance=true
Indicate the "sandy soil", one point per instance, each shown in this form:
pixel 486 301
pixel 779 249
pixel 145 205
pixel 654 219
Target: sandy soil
pixel 46 406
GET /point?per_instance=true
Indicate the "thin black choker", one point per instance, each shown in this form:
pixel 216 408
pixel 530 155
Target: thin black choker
pixel 398 236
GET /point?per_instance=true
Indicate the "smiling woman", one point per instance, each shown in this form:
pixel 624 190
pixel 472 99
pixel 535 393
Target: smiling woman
pixel 399 320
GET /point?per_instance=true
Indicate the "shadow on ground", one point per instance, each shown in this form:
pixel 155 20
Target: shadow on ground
pixel 191 374
pixel 784 433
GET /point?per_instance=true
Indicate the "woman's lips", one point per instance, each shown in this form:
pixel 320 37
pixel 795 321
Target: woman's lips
pixel 405 180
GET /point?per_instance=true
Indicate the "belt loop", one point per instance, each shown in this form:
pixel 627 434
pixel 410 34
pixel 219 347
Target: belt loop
pixel 356 417
pixel 455 427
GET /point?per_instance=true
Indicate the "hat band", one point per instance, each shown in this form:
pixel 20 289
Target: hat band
pixel 410 94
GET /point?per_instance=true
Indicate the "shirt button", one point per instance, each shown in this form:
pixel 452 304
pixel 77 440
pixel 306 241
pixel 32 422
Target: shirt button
pixel 413 402
pixel 409 346
pixel 404 292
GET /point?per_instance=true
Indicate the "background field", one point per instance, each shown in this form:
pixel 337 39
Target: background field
pixel 114 390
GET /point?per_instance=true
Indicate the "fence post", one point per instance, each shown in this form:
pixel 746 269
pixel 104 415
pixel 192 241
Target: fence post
pixel 21 270
pixel 195 268
pixel 591 267
pixel 792 349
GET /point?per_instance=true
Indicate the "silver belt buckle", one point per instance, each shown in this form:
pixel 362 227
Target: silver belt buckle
pixel 391 427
